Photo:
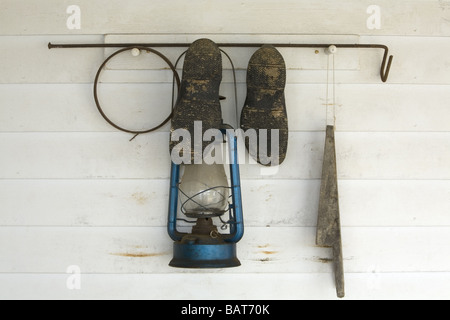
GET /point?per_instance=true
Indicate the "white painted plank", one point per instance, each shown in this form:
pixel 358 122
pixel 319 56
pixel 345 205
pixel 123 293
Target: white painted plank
pixel 71 107
pixel 392 108
pixel 137 106
pixel 291 203
pixel 84 202
pixel 278 250
pixel 427 66
pixel 361 155
pixel 431 66
pixel 393 155
pixel 30 61
pixel 49 107
pixel 394 203
pixel 207 286
pixel 111 155
pixel 379 156
pixel 83 155
pixel 200 16
pixel 59 107
pixel 73 155
pixel 143 203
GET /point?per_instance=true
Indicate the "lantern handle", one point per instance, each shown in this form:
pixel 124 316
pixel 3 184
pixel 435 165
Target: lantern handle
pixel 236 211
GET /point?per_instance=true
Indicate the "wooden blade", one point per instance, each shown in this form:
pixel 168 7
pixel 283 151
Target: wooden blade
pixel 328 223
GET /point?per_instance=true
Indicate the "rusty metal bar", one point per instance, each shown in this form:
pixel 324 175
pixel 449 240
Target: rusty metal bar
pixel 384 69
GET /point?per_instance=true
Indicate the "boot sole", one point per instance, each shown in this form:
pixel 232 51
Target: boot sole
pixel 199 95
pixel 265 105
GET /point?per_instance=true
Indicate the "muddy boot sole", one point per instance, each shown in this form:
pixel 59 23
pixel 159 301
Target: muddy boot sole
pixel 265 106
pixel 198 97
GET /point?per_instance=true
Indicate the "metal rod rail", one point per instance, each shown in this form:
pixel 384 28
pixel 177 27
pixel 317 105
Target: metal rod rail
pixel 384 70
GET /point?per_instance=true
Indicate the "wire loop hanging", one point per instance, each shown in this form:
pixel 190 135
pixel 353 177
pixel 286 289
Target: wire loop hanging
pixel 97 102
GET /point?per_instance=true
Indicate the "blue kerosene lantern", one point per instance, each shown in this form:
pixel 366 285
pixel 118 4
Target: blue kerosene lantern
pixel 204 192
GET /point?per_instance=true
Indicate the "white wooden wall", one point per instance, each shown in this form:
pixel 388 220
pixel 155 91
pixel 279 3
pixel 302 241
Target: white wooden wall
pixel 75 192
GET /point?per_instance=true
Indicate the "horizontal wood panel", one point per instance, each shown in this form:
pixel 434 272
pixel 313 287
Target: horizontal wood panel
pixel 393 155
pixel 278 250
pixel 82 155
pixel 111 155
pixel 71 107
pixel 261 286
pixel 379 156
pixel 30 61
pixel 251 16
pixel 392 108
pixel 292 203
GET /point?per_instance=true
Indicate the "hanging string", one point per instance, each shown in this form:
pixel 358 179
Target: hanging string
pixel 331 106
pixel 334 92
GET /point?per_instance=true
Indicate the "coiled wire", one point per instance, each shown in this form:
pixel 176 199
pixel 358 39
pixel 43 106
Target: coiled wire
pixel 97 102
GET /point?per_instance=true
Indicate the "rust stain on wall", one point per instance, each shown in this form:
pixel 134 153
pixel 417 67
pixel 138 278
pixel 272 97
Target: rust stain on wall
pixel 140 197
pixel 138 254
pixel 269 252
pixel 320 259
pixel 264 260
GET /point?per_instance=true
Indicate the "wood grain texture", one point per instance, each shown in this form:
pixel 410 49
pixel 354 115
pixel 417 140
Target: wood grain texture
pixel 130 250
pixel 363 108
pixel 380 156
pixel 362 286
pixel 290 203
pixel 30 61
pixel 429 17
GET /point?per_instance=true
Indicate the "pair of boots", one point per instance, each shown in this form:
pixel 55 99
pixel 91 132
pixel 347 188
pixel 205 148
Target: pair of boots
pixel 264 110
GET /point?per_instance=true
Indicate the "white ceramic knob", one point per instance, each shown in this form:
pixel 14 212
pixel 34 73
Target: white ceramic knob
pixel 332 49
pixel 135 52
